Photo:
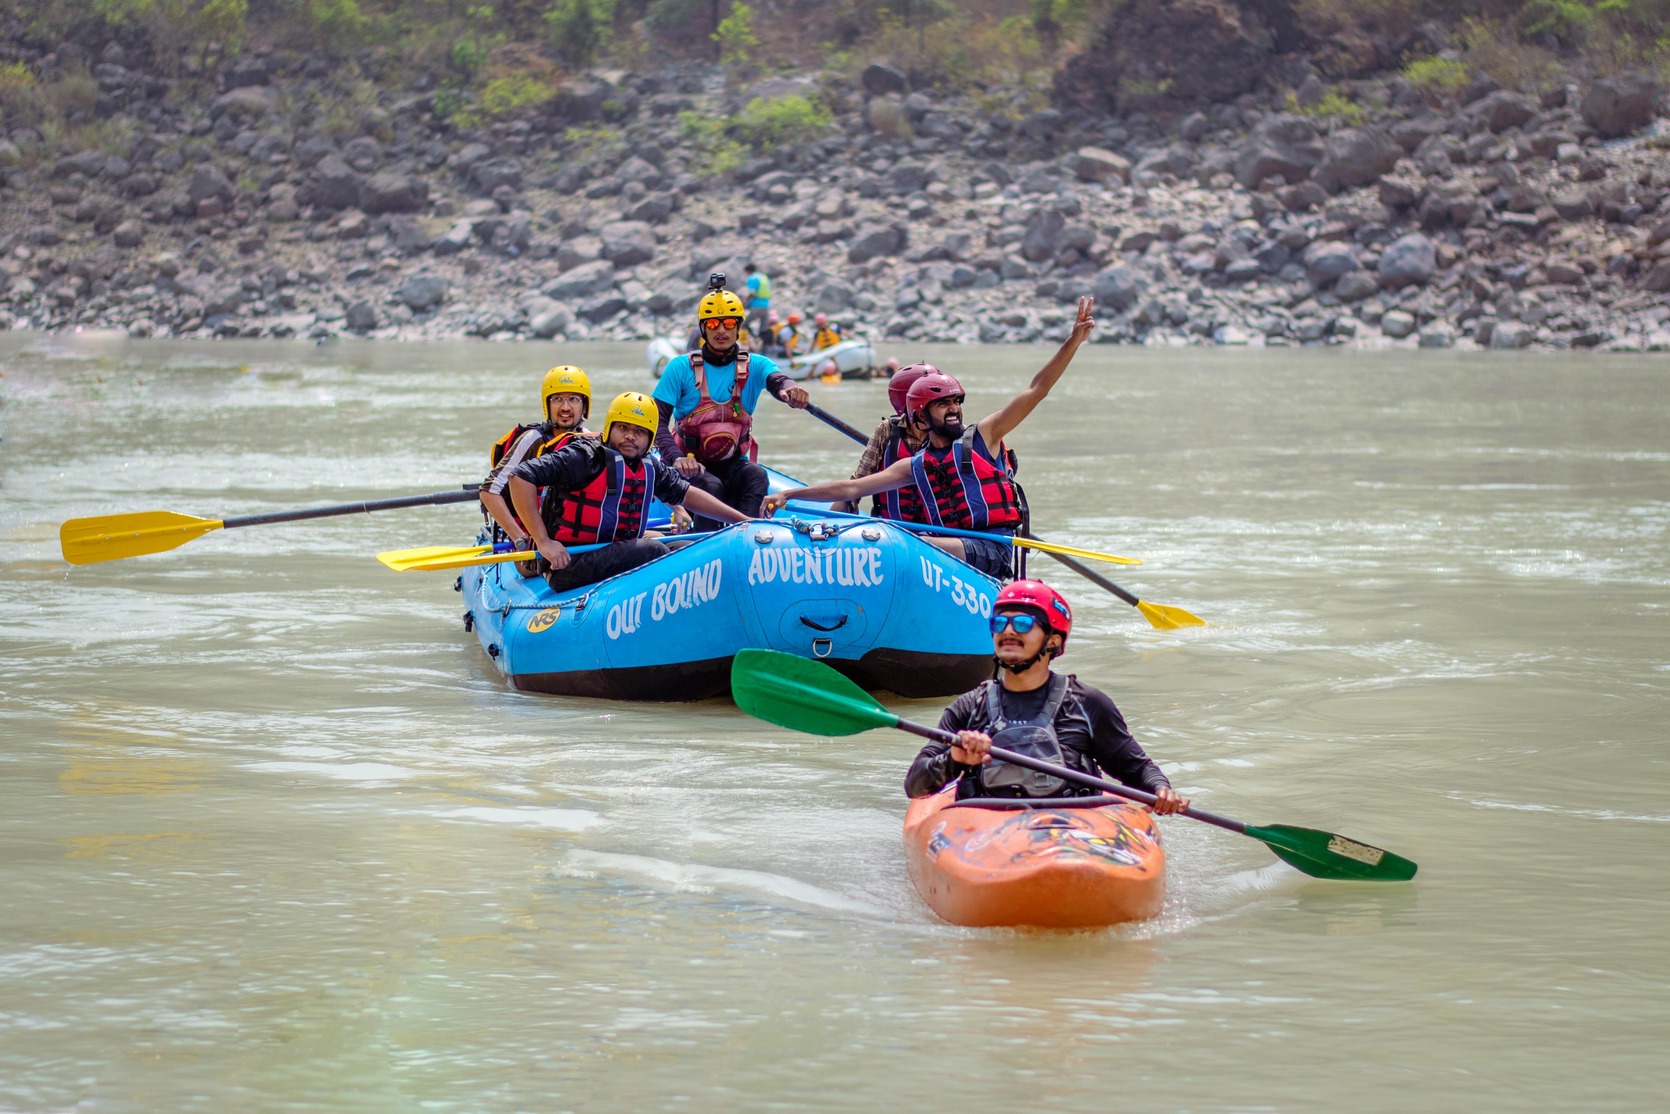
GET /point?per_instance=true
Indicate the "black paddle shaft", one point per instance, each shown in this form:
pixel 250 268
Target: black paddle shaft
pixel 467 493
pixel 1103 784
pixel 833 422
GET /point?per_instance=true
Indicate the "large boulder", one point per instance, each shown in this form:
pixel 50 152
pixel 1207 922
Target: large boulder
pixel 1043 233
pixel 490 174
pixel 1096 164
pixel 1283 145
pixel 1117 287
pixel 1355 157
pixel 876 243
pixel 335 184
pixel 585 281
pixel 1407 261
pixel 1620 105
pixel 249 102
pixel 1326 260
pixel 423 293
pixel 208 181
pixel 1502 110
pixel 627 243
pixel 393 193
pixel 879 80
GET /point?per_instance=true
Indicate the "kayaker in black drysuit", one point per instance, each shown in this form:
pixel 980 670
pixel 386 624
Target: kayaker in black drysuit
pixel 1035 711
pixel 600 492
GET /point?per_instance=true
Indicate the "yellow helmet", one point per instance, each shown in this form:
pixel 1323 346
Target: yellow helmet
pixel 633 408
pixel 565 380
pixel 719 303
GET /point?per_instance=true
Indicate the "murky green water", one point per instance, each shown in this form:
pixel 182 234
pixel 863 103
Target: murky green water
pixel 273 835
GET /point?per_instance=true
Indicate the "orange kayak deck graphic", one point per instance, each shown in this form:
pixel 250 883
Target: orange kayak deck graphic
pixel 1052 867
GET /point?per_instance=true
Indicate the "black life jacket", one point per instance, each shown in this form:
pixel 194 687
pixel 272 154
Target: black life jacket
pixel 613 507
pixel 963 488
pixel 1035 738
pixel 901 504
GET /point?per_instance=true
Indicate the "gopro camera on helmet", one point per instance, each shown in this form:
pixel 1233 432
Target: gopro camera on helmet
pixel 716 281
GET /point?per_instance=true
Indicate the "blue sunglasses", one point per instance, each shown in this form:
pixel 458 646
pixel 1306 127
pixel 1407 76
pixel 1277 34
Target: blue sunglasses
pixel 1023 624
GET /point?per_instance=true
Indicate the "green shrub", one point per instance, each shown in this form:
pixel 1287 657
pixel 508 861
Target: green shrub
pixel 514 94
pixel 19 96
pixel 736 38
pixel 1333 106
pixel 580 30
pixel 1434 76
pixel 782 121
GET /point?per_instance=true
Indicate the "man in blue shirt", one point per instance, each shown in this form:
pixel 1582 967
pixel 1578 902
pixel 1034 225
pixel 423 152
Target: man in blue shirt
pixel 706 404
pixel 758 305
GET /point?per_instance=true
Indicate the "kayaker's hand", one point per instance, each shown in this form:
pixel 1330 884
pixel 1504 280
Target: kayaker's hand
pixel 688 466
pixel 796 397
pixel 771 504
pixel 1169 802
pixel 555 552
pixel 972 748
pixel 682 520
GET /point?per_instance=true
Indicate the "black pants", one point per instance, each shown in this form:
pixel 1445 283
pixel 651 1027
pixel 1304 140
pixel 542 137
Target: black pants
pixel 601 564
pixel 737 482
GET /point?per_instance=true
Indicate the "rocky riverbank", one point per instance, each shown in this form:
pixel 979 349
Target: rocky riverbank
pixel 1494 220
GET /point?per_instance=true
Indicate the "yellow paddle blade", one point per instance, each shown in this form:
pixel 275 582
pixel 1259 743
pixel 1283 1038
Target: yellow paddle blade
pixel 1168 618
pixel 111 537
pixel 1069 551
pixel 433 558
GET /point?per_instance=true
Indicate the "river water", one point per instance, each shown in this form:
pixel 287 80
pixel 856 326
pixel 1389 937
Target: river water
pixel 274 835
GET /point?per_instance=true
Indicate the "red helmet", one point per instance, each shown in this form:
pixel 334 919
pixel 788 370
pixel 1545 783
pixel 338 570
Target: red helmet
pixel 1040 597
pixel 931 387
pixel 901 381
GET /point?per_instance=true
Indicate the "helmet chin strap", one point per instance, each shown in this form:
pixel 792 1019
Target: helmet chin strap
pixel 1044 653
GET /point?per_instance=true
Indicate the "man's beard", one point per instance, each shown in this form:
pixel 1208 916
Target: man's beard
pixel 949 428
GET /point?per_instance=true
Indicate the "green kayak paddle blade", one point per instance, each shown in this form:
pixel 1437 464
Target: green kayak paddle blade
pixel 1326 855
pixel 803 695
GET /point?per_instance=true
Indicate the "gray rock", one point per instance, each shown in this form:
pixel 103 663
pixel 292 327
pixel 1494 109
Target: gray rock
pixel 1355 157
pixel 1096 164
pixel 1620 105
pixel 335 184
pixel 1283 145
pixel 1409 260
pixel 407 234
pixel 493 174
pixel 1354 286
pixel 876 243
pixel 422 293
pixel 627 243
pixel 208 181
pixel 1437 335
pixel 1574 204
pixel 1511 334
pixel 247 103
pixel 1043 234
pixel 362 317
pixel 460 236
pixel 879 80
pixel 548 319
pixel 603 308
pixel 1658 279
pixel 586 280
pixel 1117 287
pixel 1502 110
pixel 128 234
pixel 363 153
pixel 393 193
pixel 1326 260
pixel 640 170
pixel 1397 323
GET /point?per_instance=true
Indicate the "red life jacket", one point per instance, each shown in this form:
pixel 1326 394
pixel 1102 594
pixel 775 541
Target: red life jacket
pixel 963 488
pixel 554 440
pixel 901 504
pixel 714 431
pixel 613 507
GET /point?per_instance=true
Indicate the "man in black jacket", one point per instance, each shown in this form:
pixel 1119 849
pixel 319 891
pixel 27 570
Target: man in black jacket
pixel 1035 711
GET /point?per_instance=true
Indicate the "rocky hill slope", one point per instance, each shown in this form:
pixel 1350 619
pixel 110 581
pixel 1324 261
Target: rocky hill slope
pixel 1495 219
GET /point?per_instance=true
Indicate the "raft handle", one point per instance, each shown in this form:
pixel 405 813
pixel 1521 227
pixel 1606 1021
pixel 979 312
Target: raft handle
pixel 815 625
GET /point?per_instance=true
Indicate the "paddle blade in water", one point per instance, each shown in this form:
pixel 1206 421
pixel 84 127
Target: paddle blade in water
pixel 803 695
pixel 111 537
pixel 1326 855
pixel 1168 618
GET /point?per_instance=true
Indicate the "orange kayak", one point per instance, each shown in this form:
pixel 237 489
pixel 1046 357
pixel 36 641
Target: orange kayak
pixel 1068 863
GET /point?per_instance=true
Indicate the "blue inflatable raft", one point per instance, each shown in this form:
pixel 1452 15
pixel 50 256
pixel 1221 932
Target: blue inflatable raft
pixel 876 602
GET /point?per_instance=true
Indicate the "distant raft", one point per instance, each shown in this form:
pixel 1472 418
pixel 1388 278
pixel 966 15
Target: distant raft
pixel 851 359
pixel 1076 862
